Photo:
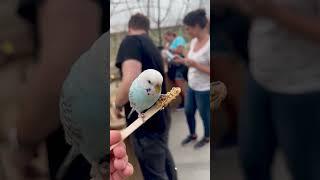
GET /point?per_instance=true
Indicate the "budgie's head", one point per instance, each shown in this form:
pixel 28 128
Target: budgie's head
pixel 151 80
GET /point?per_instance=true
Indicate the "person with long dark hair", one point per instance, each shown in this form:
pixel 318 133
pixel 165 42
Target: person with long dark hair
pixel 198 61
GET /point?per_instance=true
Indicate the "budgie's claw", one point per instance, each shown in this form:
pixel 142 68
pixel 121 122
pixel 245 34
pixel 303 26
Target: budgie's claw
pixel 141 115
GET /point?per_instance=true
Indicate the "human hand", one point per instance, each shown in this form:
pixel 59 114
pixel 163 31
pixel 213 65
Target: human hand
pixel 178 59
pixel 189 62
pixel 119 166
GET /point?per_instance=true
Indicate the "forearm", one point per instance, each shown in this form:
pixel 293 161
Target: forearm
pixel 202 68
pixel 131 68
pixel 306 26
pixel 122 96
pixel 63 39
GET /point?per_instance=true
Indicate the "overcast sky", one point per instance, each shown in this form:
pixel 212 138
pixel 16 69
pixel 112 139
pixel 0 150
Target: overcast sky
pixel 120 11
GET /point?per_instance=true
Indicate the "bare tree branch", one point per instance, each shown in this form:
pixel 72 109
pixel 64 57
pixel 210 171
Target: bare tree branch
pixel 159 12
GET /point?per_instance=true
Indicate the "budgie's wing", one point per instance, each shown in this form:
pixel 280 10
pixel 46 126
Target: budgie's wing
pixel 72 132
pixel 139 98
pixel 72 135
pixel 72 154
pixel 86 90
pixel 132 98
pixel 83 103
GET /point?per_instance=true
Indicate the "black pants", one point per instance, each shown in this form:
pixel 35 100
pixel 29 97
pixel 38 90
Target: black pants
pixel 154 157
pixel 291 122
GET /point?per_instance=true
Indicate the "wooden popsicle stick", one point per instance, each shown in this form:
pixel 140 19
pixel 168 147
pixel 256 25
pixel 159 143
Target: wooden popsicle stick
pixel 159 105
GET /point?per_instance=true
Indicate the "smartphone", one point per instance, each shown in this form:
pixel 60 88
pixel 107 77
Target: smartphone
pixel 170 56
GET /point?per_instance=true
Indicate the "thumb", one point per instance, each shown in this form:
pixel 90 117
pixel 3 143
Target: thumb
pixel 115 137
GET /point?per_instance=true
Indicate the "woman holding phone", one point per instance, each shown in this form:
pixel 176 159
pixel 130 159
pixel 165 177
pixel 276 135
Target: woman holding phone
pixel 198 61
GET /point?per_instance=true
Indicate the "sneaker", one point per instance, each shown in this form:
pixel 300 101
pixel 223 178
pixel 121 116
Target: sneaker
pixel 201 143
pixel 189 139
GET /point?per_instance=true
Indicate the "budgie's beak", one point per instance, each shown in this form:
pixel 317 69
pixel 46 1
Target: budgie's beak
pixel 158 88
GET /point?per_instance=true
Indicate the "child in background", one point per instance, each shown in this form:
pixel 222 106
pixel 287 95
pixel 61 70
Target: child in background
pixel 177 73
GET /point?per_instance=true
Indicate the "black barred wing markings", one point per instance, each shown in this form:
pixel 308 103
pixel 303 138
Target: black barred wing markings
pixel 72 132
pixel 132 105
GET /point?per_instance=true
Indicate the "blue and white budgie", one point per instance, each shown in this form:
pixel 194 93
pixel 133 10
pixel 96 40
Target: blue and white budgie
pixel 83 107
pixel 144 91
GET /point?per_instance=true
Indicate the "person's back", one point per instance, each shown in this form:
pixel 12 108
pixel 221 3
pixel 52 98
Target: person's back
pixel 137 53
pixel 145 51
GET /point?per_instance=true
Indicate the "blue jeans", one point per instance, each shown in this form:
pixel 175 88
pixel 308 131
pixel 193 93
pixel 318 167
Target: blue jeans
pixel 270 120
pixel 198 100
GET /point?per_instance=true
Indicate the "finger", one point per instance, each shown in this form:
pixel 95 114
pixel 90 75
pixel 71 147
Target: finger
pixel 115 137
pixel 128 171
pixel 120 150
pixel 120 164
pixel 117 176
pixel 120 175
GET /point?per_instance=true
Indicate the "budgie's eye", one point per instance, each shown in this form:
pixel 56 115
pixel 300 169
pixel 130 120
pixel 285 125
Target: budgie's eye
pixel 149 82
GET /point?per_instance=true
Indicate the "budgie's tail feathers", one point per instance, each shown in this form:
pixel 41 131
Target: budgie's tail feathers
pixel 132 110
pixel 72 154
